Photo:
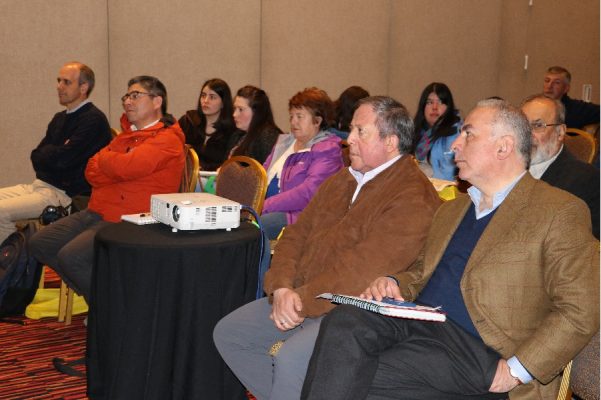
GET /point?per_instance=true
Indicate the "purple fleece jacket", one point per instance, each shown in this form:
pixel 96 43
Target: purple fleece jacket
pixel 303 173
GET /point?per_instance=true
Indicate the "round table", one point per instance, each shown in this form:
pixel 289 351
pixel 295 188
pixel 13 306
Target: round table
pixel 156 297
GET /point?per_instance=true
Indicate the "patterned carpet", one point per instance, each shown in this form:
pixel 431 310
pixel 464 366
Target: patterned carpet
pixel 27 348
pixel 26 353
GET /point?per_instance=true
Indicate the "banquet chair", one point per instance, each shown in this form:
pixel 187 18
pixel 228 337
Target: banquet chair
pixel 243 180
pixel 115 132
pixel 190 172
pixel 65 303
pixel 581 375
pixel 581 144
pixel 593 129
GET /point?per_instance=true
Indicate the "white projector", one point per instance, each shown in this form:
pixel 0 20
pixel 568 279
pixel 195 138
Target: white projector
pixel 195 211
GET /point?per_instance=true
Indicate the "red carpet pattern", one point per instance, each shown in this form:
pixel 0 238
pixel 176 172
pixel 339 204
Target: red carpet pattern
pixel 26 353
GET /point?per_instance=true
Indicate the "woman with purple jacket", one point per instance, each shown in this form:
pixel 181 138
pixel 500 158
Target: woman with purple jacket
pixel 300 160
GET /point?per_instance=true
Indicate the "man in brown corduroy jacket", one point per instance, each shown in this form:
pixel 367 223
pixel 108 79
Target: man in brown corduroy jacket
pixel 365 221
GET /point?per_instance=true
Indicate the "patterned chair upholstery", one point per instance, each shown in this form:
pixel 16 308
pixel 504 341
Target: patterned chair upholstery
pixel 244 180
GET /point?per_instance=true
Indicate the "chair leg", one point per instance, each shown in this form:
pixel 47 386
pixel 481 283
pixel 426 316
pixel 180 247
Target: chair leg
pixel 62 301
pixel 69 307
pixel 42 277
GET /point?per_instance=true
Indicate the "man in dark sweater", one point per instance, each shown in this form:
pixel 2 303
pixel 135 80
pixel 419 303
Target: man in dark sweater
pixel 59 161
pixel 552 162
pixel 578 113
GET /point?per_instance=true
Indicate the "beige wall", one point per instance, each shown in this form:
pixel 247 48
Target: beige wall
pixel 551 32
pixel 38 36
pixel 435 41
pixel 391 47
pixel 183 43
pixel 330 44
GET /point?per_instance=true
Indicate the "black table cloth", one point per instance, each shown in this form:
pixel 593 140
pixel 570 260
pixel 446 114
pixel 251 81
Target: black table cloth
pixel 156 297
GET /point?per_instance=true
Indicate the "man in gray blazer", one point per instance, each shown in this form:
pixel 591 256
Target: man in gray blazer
pixel 516 269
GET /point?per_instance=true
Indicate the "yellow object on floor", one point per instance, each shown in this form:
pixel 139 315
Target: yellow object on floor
pixel 45 304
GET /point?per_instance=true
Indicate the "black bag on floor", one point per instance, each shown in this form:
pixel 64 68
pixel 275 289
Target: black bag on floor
pixel 19 272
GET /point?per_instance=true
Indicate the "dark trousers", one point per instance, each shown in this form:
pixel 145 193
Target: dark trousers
pixel 67 246
pixel 363 355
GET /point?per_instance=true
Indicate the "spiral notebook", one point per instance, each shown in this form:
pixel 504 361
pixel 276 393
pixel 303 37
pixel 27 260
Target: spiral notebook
pixel 389 307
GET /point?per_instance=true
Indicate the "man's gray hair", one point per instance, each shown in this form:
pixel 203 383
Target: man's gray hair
pixel 560 110
pixel 392 118
pixel 511 119
pixel 556 69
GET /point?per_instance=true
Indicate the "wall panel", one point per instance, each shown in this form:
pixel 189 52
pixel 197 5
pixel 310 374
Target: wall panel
pixel 330 44
pixel 452 42
pixel 551 32
pixel 183 43
pixel 38 37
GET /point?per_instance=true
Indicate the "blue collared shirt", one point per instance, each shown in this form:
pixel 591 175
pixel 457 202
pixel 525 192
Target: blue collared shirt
pixel 498 198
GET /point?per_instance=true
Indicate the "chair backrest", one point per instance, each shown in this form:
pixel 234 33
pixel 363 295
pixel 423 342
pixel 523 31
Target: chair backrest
pixel 115 132
pixel 581 144
pixel 190 172
pixel 585 371
pixel 593 129
pixel 244 180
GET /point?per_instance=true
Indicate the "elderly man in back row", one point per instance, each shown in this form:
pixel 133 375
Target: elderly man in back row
pixel 578 113
pixel 516 269
pixel 551 160
pixel 364 221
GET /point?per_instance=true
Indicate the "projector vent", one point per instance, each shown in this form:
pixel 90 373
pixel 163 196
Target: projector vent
pixel 211 215
pixel 228 209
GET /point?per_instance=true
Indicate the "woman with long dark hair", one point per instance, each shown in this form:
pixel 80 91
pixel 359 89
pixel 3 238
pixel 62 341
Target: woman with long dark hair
pixel 437 124
pixel 257 131
pixel 345 106
pixel 209 127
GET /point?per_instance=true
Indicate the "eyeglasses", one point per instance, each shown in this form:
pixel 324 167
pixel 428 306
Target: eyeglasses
pixel 135 95
pixel 540 126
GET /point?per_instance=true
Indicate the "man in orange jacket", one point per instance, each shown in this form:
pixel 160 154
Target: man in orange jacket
pixel 146 158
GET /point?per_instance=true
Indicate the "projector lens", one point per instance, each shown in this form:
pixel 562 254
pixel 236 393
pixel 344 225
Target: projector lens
pixel 175 213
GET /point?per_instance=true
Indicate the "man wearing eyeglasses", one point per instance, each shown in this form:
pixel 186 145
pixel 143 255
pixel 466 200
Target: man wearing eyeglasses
pixel 552 162
pixel 59 160
pixel 578 113
pixel 146 158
